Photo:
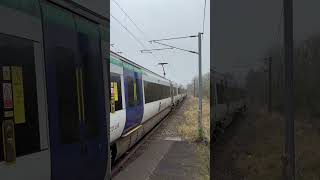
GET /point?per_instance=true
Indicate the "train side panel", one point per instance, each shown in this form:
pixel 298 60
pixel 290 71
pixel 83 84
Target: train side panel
pixel 117 118
pixel 155 107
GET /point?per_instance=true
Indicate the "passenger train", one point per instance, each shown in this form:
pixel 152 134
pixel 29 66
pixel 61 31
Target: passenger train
pixel 139 100
pixel 57 92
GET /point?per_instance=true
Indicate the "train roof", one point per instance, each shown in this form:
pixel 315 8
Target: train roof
pixel 121 58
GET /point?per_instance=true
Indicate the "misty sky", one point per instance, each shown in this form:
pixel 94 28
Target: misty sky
pixel 244 30
pixel 162 19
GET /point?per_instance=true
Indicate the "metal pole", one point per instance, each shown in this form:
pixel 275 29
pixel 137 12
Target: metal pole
pixel 200 90
pixel 289 155
pixel 194 88
pixel 164 73
pixel 270 85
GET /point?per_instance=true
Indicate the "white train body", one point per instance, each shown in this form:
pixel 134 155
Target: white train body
pixel 155 104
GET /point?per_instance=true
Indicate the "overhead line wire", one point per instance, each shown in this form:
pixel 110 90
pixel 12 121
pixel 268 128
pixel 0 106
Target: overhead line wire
pixel 123 26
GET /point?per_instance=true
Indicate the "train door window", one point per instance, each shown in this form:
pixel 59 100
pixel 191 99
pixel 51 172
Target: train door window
pixel 131 100
pixel 137 91
pixel 68 103
pixel 18 94
pixel 89 71
pixel 115 80
pixel 133 92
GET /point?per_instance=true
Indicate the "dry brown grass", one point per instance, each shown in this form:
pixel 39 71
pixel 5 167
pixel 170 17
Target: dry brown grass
pixel 189 130
pixel 261 158
pixel 264 160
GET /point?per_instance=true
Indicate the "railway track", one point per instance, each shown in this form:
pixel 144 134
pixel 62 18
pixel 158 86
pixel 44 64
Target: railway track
pixel 120 164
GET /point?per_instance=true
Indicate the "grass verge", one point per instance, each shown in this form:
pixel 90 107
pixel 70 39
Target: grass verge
pixel 189 130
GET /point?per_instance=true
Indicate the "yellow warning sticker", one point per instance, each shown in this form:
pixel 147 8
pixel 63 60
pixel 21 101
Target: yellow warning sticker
pixel 6 73
pixel 8 114
pixel 18 95
pixel 115 89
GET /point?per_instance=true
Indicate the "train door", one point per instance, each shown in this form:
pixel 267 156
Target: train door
pixel 24 150
pixel 134 99
pixel 91 84
pixel 75 96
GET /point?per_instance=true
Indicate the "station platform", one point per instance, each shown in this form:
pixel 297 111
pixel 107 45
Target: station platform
pixel 164 159
pixel 164 155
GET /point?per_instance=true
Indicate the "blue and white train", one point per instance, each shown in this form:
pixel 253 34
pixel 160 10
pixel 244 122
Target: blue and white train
pixel 139 100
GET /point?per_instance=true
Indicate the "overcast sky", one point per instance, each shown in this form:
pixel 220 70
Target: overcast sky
pixel 244 30
pixel 159 19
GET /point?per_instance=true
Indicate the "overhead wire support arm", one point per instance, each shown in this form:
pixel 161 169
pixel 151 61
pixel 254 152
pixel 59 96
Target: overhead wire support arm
pixel 150 50
pixel 182 37
pixel 175 47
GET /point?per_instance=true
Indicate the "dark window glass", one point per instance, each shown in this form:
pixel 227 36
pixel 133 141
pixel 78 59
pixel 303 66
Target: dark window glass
pixel 137 92
pixel 154 92
pixel 130 83
pixel 89 51
pixel 67 95
pixel 133 92
pixel 116 80
pixel 17 70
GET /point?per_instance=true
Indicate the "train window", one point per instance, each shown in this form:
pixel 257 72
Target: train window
pixel 89 51
pixel 154 92
pixel 18 93
pixel 133 92
pixel 115 80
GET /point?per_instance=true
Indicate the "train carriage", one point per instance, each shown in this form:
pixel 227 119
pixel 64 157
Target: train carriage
pixel 140 98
